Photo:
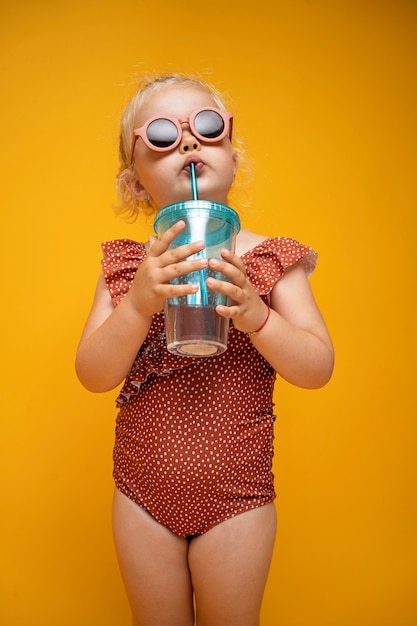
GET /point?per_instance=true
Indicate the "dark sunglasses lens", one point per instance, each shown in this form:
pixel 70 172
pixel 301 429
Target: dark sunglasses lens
pixel 162 133
pixel 209 124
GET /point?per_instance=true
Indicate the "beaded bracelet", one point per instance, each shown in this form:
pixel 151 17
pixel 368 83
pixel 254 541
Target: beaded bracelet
pixel 255 332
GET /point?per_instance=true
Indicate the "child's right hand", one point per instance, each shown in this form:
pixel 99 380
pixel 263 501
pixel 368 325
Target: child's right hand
pixel 112 336
pixel 151 286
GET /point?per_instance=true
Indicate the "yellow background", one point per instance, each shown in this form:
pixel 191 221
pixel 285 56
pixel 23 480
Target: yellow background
pixel 325 96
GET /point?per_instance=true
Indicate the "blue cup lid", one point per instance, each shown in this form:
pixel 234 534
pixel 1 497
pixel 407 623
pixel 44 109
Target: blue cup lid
pixel 213 215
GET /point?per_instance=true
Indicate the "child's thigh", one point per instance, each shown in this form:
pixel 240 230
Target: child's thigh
pixel 229 568
pixel 154 567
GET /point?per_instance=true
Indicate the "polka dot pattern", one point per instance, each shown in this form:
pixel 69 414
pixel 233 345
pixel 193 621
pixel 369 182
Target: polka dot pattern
pixel 194 437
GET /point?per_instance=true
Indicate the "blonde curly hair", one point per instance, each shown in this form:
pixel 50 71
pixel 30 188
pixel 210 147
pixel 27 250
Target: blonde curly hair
pixel 130 206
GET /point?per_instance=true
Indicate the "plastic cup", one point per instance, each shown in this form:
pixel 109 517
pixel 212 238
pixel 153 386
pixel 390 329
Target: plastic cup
pixel 192 326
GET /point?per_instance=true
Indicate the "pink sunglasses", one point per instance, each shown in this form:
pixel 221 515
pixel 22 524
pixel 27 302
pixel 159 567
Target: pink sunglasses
pixel 164 133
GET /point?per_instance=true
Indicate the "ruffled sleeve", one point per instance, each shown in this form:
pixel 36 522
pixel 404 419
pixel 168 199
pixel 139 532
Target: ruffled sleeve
pixel 122 257
pixel 266 263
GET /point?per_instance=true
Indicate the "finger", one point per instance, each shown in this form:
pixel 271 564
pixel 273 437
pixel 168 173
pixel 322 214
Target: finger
pixel 181 253
pixel 160 247
pixel 235 260
pixel 176 291
pixel 175 270
pixel 232 272
pixel 226 288
pixel 161 244
pixel 227 311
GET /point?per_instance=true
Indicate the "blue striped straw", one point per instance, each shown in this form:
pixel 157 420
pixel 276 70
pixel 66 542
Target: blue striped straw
pixel 202 273
pixel 194 188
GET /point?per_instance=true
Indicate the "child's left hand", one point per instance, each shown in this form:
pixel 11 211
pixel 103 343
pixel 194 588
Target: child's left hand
pixel 248 311
pixel 295 341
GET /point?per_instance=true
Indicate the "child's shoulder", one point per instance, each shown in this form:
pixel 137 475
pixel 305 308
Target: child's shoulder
pixel 246 240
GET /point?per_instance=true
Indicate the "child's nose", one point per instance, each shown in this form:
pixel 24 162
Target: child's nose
pixel 188 141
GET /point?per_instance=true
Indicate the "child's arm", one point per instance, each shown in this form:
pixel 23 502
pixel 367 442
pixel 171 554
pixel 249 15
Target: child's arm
pixel 295 340
pixel 113 336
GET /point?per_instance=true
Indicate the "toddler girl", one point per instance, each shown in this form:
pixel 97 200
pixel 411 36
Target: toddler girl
pixel 193 514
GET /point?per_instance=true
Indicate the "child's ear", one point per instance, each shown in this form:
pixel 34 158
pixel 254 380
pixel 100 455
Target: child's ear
pixel 235 163
pixel 135 186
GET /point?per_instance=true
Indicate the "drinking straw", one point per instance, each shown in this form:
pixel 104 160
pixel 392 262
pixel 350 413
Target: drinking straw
pixel 193 175
pixel 202 273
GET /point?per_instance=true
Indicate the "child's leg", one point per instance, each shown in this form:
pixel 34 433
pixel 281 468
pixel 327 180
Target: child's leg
pixel 229 567
pixel 154 567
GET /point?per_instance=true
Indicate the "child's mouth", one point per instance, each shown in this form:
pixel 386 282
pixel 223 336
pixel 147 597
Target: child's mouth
pixel 199 165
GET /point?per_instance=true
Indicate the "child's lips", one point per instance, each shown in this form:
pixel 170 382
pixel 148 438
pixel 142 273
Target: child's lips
pixel 199 165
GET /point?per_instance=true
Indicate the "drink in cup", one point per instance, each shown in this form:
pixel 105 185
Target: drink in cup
pixel 193 328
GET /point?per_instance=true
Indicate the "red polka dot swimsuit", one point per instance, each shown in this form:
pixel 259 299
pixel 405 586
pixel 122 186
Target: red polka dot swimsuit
pixel 194 436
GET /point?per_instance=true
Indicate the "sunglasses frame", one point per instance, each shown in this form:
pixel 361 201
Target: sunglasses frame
pixel 226 116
